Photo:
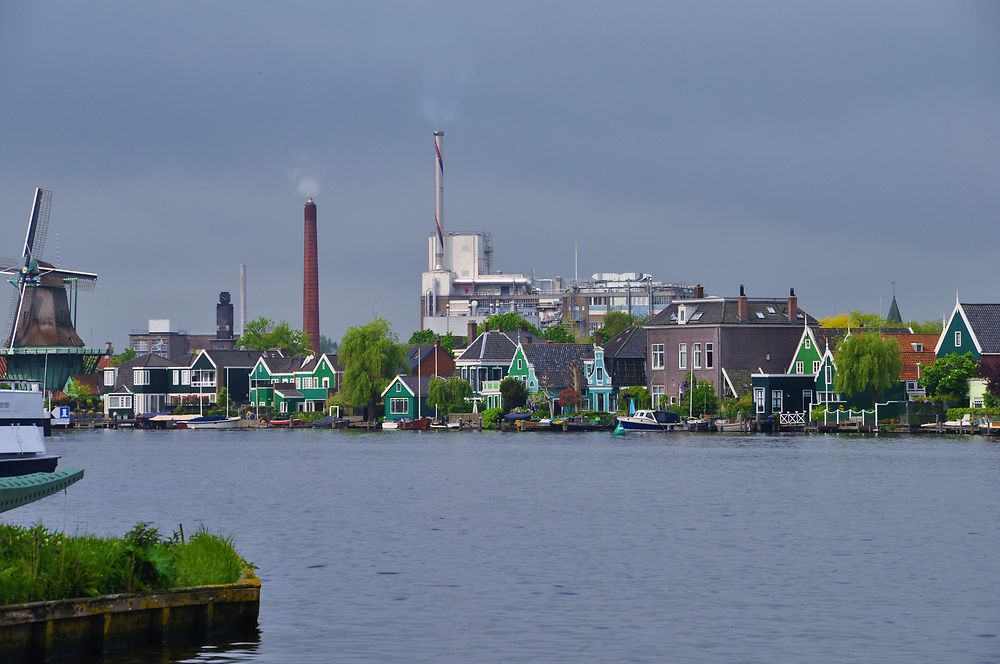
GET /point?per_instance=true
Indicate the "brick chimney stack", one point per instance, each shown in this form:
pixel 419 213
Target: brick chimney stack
pixel 741 304
pixel 793 305
pixel 699 291
pixel 597 337
pixel 470 332
pixel 310 278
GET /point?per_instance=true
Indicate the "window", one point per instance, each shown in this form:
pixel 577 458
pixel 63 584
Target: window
pixel 911 385
pixel 109 378
pixel 758 399
pixel 399 388
pixel 186 377
pixel 682 356
pixel 770 310
pixel 776 399
pixel 760 315
pixel 977 402
pixel 656 395
pixel 709 356
pixel 697 356
pixel 681 314
pixel 203 378
pixel 829 375
pixel 657 356
pixel 140 377
pixel 800 367
pixel 177 376
pixel 958 338
pixel 919 347
pixel 120 402
pixel 697 315
pixel 600 375
pixel 399 406
pixel 815 366
pixel 520 364
pixel 808 343
pixel 326 382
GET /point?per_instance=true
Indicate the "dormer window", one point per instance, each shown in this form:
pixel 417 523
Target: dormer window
pixel 919 347
pixel 681 314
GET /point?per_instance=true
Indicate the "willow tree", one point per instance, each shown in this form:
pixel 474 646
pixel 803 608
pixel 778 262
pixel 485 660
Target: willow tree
pixel 371 356
pixel 449 395
pixel 866 362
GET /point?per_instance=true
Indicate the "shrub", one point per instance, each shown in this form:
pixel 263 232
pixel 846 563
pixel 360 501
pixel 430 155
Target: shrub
pixel 491 418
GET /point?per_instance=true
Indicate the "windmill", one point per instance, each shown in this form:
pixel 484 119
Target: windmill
pixel 40 341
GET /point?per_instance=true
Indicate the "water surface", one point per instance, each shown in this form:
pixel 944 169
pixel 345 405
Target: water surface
pixel 477 547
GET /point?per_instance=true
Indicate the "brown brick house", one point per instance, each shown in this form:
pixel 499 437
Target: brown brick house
pixel 709 334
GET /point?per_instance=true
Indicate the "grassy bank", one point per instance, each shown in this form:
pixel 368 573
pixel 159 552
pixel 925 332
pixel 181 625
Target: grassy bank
pixel 36 564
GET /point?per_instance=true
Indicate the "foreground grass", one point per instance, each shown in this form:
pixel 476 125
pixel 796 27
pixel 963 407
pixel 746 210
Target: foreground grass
pixel 36 564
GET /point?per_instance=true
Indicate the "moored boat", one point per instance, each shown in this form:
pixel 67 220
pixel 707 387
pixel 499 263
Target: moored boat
pixel 214 422
pixel 650 420
pixel 23 425
pixel 419 424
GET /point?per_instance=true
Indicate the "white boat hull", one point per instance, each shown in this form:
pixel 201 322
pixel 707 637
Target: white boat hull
pixel 231 423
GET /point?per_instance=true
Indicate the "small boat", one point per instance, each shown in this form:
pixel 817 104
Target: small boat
pixel 650 420
pixel 731 427
pixel 446 425
pixel 698 424
pixel 284 424
pixel 214 422
pixel 419 424
pixel 23 425
pixel 331 422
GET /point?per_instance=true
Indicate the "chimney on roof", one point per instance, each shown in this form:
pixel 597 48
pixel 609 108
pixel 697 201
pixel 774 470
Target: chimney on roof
pixel 793 305
pixel 470 332
pixel 486 326
pixel 699 291
pixel 597 337
pixel 741 304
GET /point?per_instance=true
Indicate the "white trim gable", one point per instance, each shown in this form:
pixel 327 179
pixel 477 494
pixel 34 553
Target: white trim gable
pixel 968 326
pixel 729 382
pixel 198 357
pixel 397 379
pixel 807 331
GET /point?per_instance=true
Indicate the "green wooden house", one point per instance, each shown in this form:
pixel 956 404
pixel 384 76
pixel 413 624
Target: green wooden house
pixel 807 356
pixel 405 398
pixel 973 328
pixel 551 368
pixel 290 384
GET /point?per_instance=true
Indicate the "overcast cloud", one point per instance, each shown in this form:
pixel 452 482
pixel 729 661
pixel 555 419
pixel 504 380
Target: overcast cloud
pixel 833 147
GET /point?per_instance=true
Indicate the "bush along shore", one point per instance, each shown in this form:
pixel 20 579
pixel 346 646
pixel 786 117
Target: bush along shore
pixel 40 565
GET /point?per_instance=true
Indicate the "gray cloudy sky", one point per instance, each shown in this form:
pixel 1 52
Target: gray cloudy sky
pixel 833 147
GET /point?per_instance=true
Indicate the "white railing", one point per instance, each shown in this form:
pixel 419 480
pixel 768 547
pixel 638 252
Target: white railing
pixel 792 419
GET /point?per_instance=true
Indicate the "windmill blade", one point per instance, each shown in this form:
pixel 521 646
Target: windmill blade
pixel 14 315
pixel 15 299
pixel 38 225
pixel 86 281
pixel 11 265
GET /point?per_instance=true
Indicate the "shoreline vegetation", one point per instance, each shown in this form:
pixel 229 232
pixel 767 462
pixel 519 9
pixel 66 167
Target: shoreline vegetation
pixel 37 564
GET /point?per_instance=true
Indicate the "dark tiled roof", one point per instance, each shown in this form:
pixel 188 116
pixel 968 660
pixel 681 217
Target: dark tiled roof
pixel 627 343
pixel 491 347
pixel 894 315
pixel 146 361
pixel 288 391
pixel 985 322
pixel 741 381
pixel 417 353
pixel 417 386
pixel 717 311
pixel 554 363
pixel 235 358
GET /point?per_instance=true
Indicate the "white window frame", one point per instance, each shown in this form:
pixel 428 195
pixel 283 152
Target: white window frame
pixel 397 403
pixel 958 338
pixel 657 355
pixel 109 378
pixel 808 343
pixel 758 398
pixel 777 399
pixel 600 375
pixel 140 376
pixel 656 393
pixel 203 378
pixel 828 376
pixel 326 382
pixel 709 355
pixel 520 364
pixel 697 355
pixel 186 377
pixel 800 367
pixel 682 356
pixel 816 364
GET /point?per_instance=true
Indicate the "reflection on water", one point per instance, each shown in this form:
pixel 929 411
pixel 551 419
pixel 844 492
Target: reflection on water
pixel 459 547
pixel 223 652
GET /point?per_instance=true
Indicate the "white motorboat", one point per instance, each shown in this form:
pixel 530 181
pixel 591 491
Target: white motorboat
pixel 650 420
pixel 23 425
pixel 214 422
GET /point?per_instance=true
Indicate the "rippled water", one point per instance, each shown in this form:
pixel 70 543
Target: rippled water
pixel 454 547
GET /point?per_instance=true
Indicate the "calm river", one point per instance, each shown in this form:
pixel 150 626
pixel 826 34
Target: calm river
pixel 454 547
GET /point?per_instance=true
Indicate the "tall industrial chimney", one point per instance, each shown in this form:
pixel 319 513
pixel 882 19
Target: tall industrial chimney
pixel 243 297
pixel 439 199
pixel 310 280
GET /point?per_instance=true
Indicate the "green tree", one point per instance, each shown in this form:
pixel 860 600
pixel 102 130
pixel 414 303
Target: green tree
pixel 264 334
pixel 76 390
pixel 558 334
pixel 509 321
pixel 514 393
pixel 540 402
pixel 371 356
pixel 449 395
pixel 865 362
pixel 616 322
pixel 948 378
pixel 636 392
pixel 422 337
pixel 926 327
pixel 327 345
pixel 123 357
pixel 700 397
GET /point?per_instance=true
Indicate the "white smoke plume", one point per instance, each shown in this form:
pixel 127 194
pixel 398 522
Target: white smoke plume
pixel 305 183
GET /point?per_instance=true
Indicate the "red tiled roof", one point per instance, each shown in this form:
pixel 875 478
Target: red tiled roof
pixel 910 356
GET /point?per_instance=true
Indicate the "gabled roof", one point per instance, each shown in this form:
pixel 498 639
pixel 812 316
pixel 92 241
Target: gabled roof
pixel 236 358
pixel 719 311
pixel 554 364
pixel 411 383
pixel 984 319
pixel 910 357
pixel 630 343
pixel 490 347
pixel 146 361
pixel 738 382
pixel 417 353
pixel 287 391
